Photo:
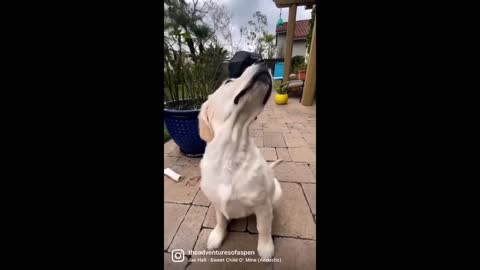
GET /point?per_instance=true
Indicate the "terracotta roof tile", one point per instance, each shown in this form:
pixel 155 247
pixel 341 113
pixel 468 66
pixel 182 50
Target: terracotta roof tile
pixel 301 29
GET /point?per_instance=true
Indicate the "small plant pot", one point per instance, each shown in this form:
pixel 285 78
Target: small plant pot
pixel 302 74
pixel 281 99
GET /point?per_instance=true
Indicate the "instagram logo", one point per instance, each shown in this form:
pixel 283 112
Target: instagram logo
pixel 178 255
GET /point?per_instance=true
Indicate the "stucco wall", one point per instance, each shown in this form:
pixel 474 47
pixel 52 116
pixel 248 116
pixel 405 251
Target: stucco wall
pixel 299 46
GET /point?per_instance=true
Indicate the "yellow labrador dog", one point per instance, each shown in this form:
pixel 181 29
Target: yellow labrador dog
pixel 235 176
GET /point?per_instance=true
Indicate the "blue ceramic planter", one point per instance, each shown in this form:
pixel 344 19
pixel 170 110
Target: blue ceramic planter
pixel 183 128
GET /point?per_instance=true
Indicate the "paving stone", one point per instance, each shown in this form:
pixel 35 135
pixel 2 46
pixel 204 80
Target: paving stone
pixel 234 225
pixel 210 220
pixel 187 161
pixel 256 133
pixel 237 225
pixel 169 146
pixel 274 127
pixel 311 194
pixel 201 199
pixel 273 140
pixel 310 130
pixel 295 254
pixel 171 149
pixel 171 265
pixel 291 217
pixel 276 130
pixel 294 141
pixel 283 154
pixel 234 241
pixel 269 153
pixel 173 215
pixel 293 133
pixel 298 119
pixel 182 161
pixel 169 161
pixel 185 190
pixel 281 121
pixel 258 141
pixel 194 162
pixel 275 115
pixel 313 168
pixel 294 172
pixel 302 154
pixel 255 125
pixel 296 126
pixel 262 118
pixel 189 229
pixel 311 139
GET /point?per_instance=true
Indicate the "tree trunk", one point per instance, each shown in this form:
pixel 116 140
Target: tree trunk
pixel 190 44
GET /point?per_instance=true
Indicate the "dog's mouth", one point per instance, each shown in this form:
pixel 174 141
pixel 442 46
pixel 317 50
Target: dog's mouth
pixel 261 77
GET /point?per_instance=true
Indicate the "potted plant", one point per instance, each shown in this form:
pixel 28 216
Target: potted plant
pixel 187 85
pixel 281 97
pixel 302 71
pixel 297 60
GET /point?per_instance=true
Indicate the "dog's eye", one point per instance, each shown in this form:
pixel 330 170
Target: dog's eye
pixel 228 81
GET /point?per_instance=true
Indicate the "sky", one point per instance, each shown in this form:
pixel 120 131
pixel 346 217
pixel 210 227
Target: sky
pixel 243 10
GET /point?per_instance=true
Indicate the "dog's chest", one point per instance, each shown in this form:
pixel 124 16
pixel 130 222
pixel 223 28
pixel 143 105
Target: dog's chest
pixel 229 188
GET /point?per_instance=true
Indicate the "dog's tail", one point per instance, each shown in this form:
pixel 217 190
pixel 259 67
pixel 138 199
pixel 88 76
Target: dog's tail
pixel 278 189
pixel 275 163
pixel 277 194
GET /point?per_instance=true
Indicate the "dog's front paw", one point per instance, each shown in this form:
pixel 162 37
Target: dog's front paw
pixel 266 248
pixel 215 239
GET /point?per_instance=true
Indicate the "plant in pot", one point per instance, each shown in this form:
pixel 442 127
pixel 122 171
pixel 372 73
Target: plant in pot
pixel 297 60
pixel 302 71
pixel 281 97
pixel 187 85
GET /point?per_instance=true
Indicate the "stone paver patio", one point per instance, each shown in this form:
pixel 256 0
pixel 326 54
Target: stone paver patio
pixel 286 132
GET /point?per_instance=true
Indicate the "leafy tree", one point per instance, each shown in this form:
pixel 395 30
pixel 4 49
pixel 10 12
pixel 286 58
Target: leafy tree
pixel 254 31
pixel 267 45
pixel 219 20
pixel 194 60
pixel 197 24
pixel 202 33
pixel 186 22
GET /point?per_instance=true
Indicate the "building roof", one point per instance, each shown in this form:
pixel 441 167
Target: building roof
pixel 301 29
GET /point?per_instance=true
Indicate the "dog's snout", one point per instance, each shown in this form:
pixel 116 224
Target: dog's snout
pixel 260 61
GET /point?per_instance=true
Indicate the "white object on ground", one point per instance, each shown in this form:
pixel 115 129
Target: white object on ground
pixel 173 175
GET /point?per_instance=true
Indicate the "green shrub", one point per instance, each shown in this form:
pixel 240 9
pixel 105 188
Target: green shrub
pixel 297 60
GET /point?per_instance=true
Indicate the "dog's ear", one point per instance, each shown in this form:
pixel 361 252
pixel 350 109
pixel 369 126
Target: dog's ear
pixel 206 131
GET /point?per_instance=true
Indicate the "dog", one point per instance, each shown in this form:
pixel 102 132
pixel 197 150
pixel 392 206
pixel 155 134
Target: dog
pixel 235 176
